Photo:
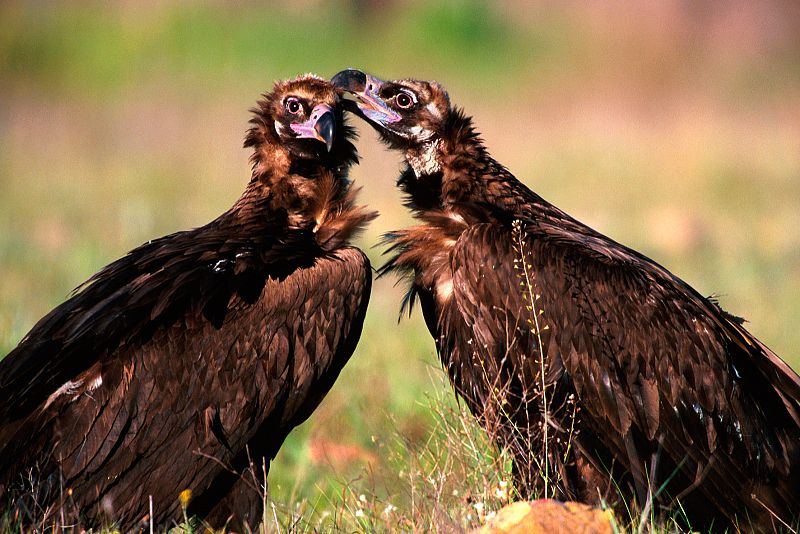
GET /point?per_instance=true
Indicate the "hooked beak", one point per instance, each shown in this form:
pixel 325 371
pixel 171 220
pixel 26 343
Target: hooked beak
pixel 321 125
pixel 366 89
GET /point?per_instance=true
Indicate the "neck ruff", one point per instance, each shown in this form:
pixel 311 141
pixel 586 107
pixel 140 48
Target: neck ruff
pixel 426 160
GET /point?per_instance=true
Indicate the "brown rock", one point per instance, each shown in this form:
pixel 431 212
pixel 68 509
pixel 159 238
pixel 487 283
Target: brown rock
pixel 547 516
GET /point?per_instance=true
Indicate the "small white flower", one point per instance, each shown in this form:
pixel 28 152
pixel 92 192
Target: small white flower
pixel 362 498
pixel 503 483
pixel 359 513
pixel 478 507
pixel 455 493
pixel 389 509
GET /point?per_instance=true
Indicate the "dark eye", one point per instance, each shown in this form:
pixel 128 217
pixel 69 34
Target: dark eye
pixel 404 100
pixel 293 105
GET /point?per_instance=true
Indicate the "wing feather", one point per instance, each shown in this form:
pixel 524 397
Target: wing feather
pixel 654 365
pixel 166 370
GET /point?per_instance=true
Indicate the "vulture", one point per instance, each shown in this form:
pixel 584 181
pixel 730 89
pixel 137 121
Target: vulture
pixel 606 377
pixel 185 364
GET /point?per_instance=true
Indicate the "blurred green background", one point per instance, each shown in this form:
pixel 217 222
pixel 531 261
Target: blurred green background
pixel 672 126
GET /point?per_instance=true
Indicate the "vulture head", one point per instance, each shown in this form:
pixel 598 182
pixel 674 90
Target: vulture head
pixel 410 115
pixel 300 120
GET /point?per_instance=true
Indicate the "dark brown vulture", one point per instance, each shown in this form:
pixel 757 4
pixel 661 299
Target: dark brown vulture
pixel 184 364
pixel 606 376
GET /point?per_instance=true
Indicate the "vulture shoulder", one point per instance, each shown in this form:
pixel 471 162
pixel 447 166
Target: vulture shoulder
pixel 148 289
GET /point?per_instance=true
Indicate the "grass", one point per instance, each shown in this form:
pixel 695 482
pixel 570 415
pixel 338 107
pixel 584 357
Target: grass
pixel 119 124
pixel 449 480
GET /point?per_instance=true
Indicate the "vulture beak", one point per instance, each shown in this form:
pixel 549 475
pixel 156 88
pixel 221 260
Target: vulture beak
pixel 321 126
pixel 366 89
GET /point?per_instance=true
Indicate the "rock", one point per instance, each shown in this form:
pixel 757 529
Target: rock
pixel 547 516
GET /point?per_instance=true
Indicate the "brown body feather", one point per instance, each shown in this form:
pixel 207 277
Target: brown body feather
pixel 194 355
pixel 649 386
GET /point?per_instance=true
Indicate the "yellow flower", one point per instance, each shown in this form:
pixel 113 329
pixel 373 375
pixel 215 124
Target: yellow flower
pixel 185 496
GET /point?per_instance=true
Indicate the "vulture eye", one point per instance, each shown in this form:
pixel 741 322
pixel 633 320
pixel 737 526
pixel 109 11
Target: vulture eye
pixel 405 99
pixel 293 105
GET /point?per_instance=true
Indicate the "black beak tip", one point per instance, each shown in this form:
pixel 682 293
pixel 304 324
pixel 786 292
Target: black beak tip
pixel 326 128
pixel 350 80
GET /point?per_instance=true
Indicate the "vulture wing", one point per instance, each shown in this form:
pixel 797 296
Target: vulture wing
pixel 128 300
pixel 663 377
pixel 182 355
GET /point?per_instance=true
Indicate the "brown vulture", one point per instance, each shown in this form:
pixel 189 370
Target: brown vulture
pixel 185 364
pixel 607 377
